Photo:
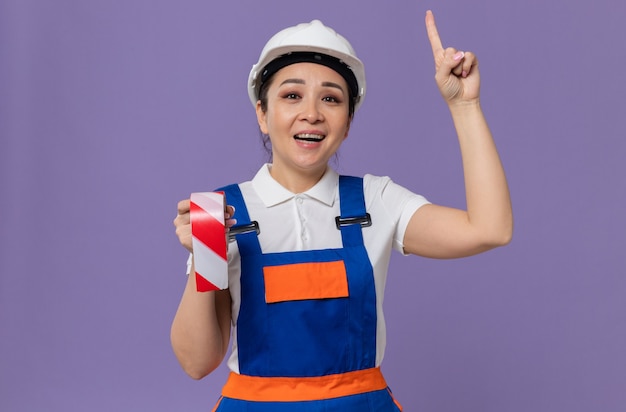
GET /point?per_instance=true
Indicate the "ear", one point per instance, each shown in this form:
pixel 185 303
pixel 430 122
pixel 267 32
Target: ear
pixel 261 118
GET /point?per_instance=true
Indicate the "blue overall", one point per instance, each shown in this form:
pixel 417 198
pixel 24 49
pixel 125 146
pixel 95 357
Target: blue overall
pixel 308 338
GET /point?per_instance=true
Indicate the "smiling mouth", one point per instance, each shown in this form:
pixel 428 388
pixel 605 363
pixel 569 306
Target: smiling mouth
pixel 309 137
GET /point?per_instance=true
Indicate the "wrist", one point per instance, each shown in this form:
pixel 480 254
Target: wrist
pixel 464 107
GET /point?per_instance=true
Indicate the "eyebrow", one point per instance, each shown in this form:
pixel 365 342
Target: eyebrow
pixel 325 84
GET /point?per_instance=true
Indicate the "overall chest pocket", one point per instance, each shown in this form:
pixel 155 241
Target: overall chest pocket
pixel 307 308
pixel 304 281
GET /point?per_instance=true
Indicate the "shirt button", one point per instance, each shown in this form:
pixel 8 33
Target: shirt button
pixel 300 200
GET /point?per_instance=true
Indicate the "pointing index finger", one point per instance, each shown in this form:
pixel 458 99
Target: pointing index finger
pixel 433 34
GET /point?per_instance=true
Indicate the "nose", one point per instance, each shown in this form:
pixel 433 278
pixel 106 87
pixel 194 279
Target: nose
pixel 311 111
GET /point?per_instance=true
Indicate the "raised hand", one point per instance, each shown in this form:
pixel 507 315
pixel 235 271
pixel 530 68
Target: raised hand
pixel 456 72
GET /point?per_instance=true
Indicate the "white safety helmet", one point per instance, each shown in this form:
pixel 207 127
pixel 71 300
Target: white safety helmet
pixel 309 39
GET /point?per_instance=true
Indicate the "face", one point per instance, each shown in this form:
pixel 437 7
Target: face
pixel 306 118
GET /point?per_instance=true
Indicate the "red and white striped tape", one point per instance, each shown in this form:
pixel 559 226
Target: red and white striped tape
pixel 209 240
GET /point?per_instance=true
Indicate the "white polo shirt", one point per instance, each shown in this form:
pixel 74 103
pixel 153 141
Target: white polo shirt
pixel 306 221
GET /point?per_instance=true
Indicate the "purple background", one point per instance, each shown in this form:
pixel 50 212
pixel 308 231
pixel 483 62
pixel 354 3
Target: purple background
pixel 112 111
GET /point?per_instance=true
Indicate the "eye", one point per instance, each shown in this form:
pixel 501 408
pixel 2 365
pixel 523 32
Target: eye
pixel 291 96
pixel 331 99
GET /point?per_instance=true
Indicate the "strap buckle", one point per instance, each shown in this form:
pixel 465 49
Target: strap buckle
pixel 364 221
pixel 241 229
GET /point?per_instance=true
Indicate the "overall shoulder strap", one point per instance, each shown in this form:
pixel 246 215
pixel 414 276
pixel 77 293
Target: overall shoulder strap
pixel 353 214
pixel 245 231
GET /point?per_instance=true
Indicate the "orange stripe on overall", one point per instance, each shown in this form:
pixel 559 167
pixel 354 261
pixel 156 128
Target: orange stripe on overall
pixel 300 281
pixel 282 389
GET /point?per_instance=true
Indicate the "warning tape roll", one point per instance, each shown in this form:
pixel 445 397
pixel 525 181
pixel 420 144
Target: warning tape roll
pixel 209 240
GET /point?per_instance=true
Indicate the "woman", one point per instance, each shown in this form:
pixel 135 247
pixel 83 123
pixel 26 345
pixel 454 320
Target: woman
pixel 305 291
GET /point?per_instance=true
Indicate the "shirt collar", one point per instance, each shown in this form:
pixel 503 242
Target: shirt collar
pixel 272 193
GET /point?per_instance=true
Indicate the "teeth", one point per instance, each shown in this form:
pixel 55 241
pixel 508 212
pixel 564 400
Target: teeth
pixel 309 137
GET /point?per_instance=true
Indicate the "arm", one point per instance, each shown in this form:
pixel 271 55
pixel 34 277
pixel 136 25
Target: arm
pixel 442 232
pixel 200 332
